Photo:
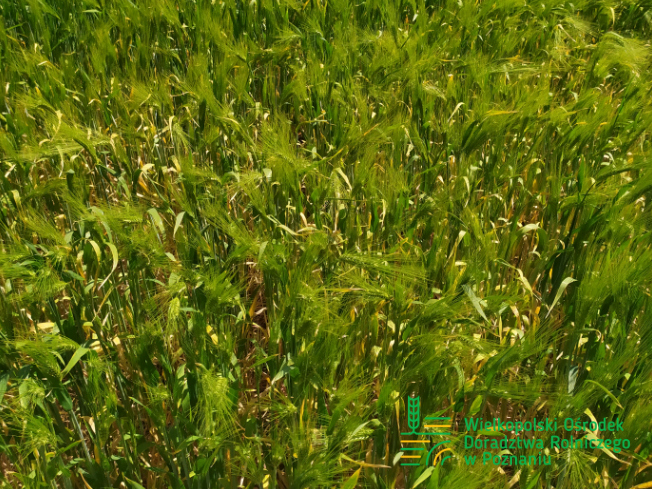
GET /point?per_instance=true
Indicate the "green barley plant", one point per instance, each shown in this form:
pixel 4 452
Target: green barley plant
pixel 235 236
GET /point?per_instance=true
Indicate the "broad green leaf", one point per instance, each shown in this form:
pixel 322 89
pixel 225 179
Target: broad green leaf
pixel 475 301
pixel 531 484
pixel 4 379
pixel 610 394
pixel 81 351
pixel 565 283
pixel 475 407
pixel 178 221
pixel 423 477
pixel 96 249
pixel 156 217
pixel 134 484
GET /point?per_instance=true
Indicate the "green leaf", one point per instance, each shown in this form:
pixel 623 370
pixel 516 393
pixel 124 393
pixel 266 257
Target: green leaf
pixel 282 372
pixel 114 253
pixel 81 351
pixel 134 484
pixel 426 473
pixel 74 275
pixel 63 397
pixel 475 407
pixel 264 360
pixel 475 301
pixel 565 283
pixel 4 379
pixel 177 223
pixel 527 228
pixel 607 391
pixel 98 252
pixel 533 481
pixel 156 217
pixel 489 433
pixel 65 449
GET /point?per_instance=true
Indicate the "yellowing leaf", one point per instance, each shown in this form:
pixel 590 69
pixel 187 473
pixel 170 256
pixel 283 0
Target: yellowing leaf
pixel 352 481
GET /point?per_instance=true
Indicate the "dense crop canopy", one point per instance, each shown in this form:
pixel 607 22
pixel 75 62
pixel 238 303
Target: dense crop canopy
pixel 235 236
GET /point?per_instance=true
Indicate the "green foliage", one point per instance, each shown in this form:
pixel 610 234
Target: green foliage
pixel 236 235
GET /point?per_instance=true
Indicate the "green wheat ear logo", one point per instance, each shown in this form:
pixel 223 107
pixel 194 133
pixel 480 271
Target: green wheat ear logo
pixel 416 451
pixel 414 411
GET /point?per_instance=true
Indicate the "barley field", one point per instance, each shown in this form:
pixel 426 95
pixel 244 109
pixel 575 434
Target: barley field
pixel 253 243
